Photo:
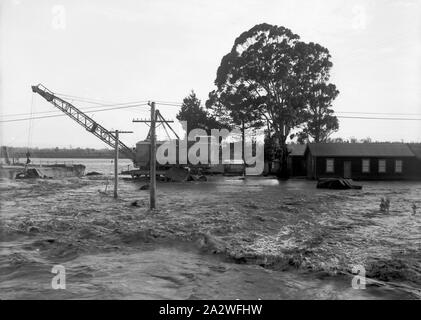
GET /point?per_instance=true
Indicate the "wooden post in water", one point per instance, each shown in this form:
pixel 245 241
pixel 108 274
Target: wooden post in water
pixel 243 137
pixel 152 165
pixel 116 165
pixel 116 133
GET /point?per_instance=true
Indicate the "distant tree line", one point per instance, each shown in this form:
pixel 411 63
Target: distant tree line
pixel 84 153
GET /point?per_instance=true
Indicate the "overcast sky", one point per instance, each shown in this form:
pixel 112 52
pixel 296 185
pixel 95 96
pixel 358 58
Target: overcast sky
pixel 119 51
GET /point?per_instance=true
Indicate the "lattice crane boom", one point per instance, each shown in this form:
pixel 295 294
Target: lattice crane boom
pixel 83 119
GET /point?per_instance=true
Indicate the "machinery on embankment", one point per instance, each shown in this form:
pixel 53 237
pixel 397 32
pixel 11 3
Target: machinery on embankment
pixel 140 155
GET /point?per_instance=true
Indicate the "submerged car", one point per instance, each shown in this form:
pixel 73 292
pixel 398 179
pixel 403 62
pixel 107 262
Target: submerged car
pixel 336 184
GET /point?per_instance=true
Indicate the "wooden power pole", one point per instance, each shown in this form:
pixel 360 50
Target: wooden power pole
pixel 152 155
pixel 117 132
pixel 152 162
pixel 243 144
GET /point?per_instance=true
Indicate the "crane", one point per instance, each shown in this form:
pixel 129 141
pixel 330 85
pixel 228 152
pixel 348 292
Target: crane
pixel 139 156
pixel 84 120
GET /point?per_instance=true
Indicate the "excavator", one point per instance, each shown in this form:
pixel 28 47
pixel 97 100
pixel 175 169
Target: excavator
pixel 139 155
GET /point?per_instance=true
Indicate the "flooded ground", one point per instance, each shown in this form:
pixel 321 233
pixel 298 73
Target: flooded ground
pixel 226 238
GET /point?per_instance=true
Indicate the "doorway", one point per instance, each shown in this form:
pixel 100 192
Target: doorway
pixel 347 169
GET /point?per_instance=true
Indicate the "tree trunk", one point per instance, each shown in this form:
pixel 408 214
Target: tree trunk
pixel 283 165
pixel 282 172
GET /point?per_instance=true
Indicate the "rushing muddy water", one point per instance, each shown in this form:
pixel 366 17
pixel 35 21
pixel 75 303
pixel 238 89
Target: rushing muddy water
pixel 225 238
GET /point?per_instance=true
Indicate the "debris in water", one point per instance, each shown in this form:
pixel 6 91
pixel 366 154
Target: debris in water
pixel 384 205
pixel 77 214
pixel 33 229
pixel 32 173
pixel 176 174
pixel 135 203
pixel 94 173
pixel 144 187
pixel 106 188
pixel 196 177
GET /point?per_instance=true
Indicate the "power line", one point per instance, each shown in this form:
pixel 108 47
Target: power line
pixel 89 100
pixel 129 104
pixel 132 104
pixel 380 113
pixel 114 104
pixel 97 101
pixel 171 104
pixel 176 105
pixel 138 105
pixel 62 115
pixel 163 103
pixel 143 102
pixel 376 118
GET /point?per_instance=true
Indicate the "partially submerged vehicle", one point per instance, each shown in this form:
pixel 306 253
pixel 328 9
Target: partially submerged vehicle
pixel 52 171
pixel 18 170
pixel 337 184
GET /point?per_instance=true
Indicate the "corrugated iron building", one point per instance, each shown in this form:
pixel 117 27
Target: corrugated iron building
pixel 416 150
pixel 362 161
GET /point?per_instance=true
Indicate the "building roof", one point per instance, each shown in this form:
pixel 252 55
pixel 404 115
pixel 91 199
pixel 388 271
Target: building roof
pixel 360 150
pixel 297 150
pixel 416 149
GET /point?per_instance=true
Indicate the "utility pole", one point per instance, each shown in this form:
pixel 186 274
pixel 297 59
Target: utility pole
pixel 243 142
pixel 243 145
pixel 152 155
pixel 152 162
pixel 116 165
pixel 116 133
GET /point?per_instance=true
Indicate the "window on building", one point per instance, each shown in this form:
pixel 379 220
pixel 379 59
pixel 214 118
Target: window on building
pixel 366 165
pixel 330 165
pixel 398 166
pixel 382 166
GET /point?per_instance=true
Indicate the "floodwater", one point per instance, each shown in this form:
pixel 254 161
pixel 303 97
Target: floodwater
pixel 225 239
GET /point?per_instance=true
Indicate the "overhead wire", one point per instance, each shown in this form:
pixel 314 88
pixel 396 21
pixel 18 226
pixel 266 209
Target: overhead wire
pixel 378 118
pixel 89 100
pixel 30 124
pixel 82 109
pixel 113 106
pixel 103 104
pixel 62 115
pixel 379 113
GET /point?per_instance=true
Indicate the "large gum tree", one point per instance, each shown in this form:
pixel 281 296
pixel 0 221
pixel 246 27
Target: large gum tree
pixel 267 80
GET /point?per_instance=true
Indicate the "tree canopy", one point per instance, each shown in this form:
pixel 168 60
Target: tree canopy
pixel 269 78
pixel 321 121
pixel 196 116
